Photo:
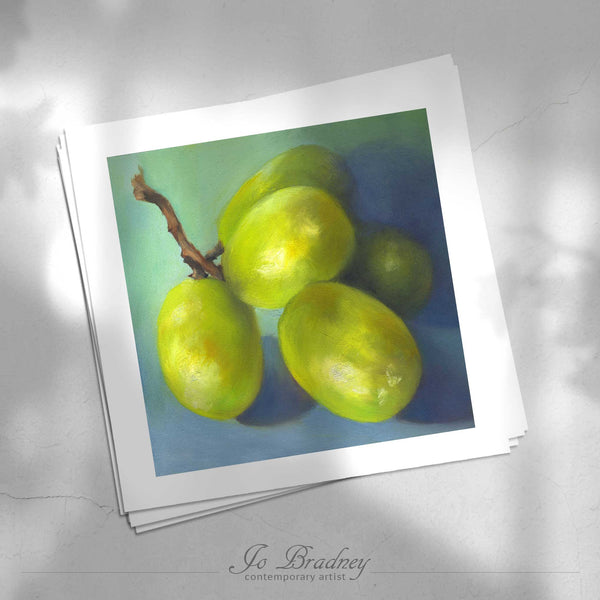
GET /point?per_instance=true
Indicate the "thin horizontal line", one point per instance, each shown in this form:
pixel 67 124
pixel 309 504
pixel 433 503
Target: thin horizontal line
pixel 476 572
pixel 369 572
pixel 121 572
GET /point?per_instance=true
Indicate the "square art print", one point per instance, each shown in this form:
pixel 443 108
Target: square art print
pixel 351 323
pixel 327 236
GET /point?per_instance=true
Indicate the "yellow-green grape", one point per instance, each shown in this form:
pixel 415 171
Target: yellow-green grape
pixel 396 269
pixel 292 237
pixel 209 349
pixel 309 165
pixel 349 351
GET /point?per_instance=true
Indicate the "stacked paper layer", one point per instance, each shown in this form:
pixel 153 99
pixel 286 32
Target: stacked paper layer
pixel 402 134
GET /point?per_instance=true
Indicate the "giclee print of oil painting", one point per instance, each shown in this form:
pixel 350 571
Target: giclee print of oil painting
pixel 290 292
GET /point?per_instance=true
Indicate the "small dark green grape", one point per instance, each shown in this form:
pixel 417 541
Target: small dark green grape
pixel 396 269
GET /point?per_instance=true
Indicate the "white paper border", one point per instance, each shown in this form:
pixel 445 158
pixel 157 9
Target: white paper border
pixel 430 84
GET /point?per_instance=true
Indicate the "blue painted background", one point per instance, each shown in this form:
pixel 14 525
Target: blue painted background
pixel 391 160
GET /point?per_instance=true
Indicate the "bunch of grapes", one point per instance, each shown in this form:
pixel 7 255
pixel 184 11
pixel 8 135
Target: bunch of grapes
pixel 288 239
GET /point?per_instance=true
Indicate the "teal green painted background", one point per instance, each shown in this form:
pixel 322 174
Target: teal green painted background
pixel 390 157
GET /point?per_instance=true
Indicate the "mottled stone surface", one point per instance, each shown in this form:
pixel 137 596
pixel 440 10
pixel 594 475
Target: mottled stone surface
pixel 523 526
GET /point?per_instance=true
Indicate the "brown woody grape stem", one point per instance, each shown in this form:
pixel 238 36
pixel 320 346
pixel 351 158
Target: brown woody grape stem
pixel 215 252
pixel 201 266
